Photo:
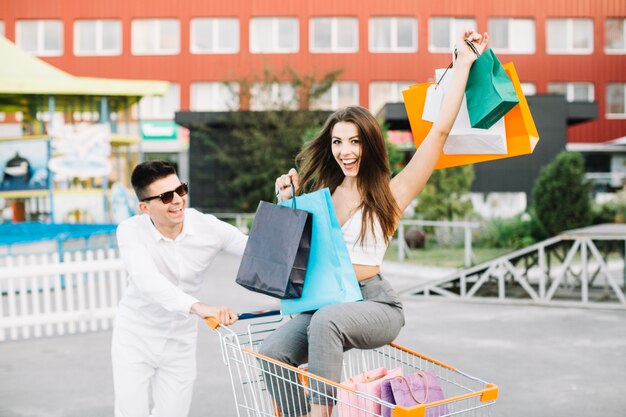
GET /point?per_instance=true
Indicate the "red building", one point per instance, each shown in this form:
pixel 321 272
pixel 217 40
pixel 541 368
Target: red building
pixel 575 47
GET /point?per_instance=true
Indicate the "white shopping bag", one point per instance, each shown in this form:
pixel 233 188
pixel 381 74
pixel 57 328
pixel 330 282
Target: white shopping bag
pixel 463 138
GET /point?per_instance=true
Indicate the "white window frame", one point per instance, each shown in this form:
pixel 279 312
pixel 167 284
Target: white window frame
pixel 215 96
pixel 155 105
pixel 515 29
pixel 40 51
pixel 569 49
pixel 529 89
pixel 215 26
pixel 396 92
pixel 615 115
pixel 270 97
pixel 611 51
pixel 334 96
pixel 569 90
pixel 454 23
pixel 156 33
pixel 274 38
pixel 394 48
pixel 99 51
pixel 335 23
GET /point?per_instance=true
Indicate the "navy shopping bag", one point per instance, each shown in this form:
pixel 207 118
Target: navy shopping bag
pixel 330 276
pixel 275 259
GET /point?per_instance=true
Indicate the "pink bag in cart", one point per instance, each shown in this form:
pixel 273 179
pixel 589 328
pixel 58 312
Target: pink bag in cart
pixel 368 382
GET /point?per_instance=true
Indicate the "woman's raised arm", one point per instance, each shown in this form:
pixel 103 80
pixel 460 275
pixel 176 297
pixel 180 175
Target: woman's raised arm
pixel 411 180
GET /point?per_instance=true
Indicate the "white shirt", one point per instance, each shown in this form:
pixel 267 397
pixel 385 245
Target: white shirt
pixel 165 275
pixel 372 250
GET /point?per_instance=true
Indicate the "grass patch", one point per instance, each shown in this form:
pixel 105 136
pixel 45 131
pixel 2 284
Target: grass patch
pixel 445 256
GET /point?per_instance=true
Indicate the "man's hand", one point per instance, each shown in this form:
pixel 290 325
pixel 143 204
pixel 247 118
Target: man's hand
pixel 223 314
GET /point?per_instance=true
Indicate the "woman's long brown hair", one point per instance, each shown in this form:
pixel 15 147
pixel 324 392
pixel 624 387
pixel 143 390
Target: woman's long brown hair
pixel 318 168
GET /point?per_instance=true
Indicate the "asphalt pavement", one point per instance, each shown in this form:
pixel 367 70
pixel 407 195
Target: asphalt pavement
pixel 546 361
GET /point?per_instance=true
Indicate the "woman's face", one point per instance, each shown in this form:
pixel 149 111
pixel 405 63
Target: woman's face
pixel 346 147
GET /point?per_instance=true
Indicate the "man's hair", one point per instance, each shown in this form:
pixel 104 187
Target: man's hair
pixel 148 172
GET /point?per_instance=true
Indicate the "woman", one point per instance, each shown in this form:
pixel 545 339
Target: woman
pixel 349 157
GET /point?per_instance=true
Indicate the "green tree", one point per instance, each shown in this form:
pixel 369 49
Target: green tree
pixel 445 195
pixel 251 148
pixel 394 154
pixel 561 195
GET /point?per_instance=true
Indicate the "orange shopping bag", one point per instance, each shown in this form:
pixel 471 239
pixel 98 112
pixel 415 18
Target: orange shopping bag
pixel 521 133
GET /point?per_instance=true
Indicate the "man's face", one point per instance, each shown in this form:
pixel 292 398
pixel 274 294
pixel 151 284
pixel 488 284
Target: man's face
pixel 165 216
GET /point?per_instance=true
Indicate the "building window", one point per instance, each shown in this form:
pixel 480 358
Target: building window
pixel 570 36
pixel 333 34
pixel 40 37
pixel 97 37
pixel 214 36
pixel 573 91
pixel 615 36
pixel 615 103
pixel 214 96
pixel 393 34
pixel 160 107
pixel 1 27
pixel 341 94
pixel 382 92
pixel 275 96
pixel 512 36
pixel 278 35
pixel 155 37
pixel 529 89
pixel 443 32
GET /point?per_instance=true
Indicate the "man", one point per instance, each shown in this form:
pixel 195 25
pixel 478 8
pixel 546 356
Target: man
pixel 167 251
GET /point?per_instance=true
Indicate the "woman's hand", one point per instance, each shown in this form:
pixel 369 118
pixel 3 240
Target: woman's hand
pixel 283 185
pixel 465 54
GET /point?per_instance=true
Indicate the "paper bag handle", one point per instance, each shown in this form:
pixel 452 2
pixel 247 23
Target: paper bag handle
pixel 423 375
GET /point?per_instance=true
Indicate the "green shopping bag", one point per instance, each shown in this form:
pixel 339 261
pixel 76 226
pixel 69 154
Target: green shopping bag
pixel 489 91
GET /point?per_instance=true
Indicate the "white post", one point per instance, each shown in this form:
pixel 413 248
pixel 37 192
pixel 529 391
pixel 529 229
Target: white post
pixel 584 276
pixel 468 245
pixel 401 241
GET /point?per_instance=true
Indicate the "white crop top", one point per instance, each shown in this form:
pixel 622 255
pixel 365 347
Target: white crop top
pixel 369 252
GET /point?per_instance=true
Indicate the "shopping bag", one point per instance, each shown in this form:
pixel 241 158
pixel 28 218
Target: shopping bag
pixel 275 259
pixel 368 382
pixel 463 138
pixel 330 276
pixel 521 133
pixel 489 91
pixel 422 387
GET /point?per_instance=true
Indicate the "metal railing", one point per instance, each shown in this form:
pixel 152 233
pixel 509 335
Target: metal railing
pixel 467 227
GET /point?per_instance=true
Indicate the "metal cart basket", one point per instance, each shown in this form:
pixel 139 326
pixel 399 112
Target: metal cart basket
pixel 251 373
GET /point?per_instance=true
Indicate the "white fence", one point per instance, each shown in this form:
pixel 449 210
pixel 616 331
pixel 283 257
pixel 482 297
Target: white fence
pixel 467 235
pixel 42 296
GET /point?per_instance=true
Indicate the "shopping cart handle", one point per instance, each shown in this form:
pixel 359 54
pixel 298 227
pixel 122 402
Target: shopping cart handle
pixel 257 314
pixel 214 323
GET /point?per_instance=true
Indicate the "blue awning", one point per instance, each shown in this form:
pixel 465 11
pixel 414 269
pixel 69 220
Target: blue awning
pixel 30 232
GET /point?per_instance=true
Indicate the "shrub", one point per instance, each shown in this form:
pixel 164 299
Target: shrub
pixel 515 232
pixel 561 195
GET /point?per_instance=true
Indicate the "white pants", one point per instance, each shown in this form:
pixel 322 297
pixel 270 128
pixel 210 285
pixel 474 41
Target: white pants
pixel 163 370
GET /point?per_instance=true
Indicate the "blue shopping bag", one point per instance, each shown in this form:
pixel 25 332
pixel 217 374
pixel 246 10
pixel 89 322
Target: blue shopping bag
pixel 330 276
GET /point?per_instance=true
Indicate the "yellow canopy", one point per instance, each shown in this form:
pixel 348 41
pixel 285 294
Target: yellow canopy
pixel 23 76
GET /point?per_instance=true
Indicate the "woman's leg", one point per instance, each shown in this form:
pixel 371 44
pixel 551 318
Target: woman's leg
pixel 287 344
pixel 339 327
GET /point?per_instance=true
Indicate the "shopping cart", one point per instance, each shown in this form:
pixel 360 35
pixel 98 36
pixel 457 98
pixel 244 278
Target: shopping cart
pixel 252 373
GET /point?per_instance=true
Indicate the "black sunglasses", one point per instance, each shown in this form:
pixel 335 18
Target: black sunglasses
pixel 168 196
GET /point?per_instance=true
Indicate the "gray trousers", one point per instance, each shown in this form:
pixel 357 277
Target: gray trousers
pixel 320 338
